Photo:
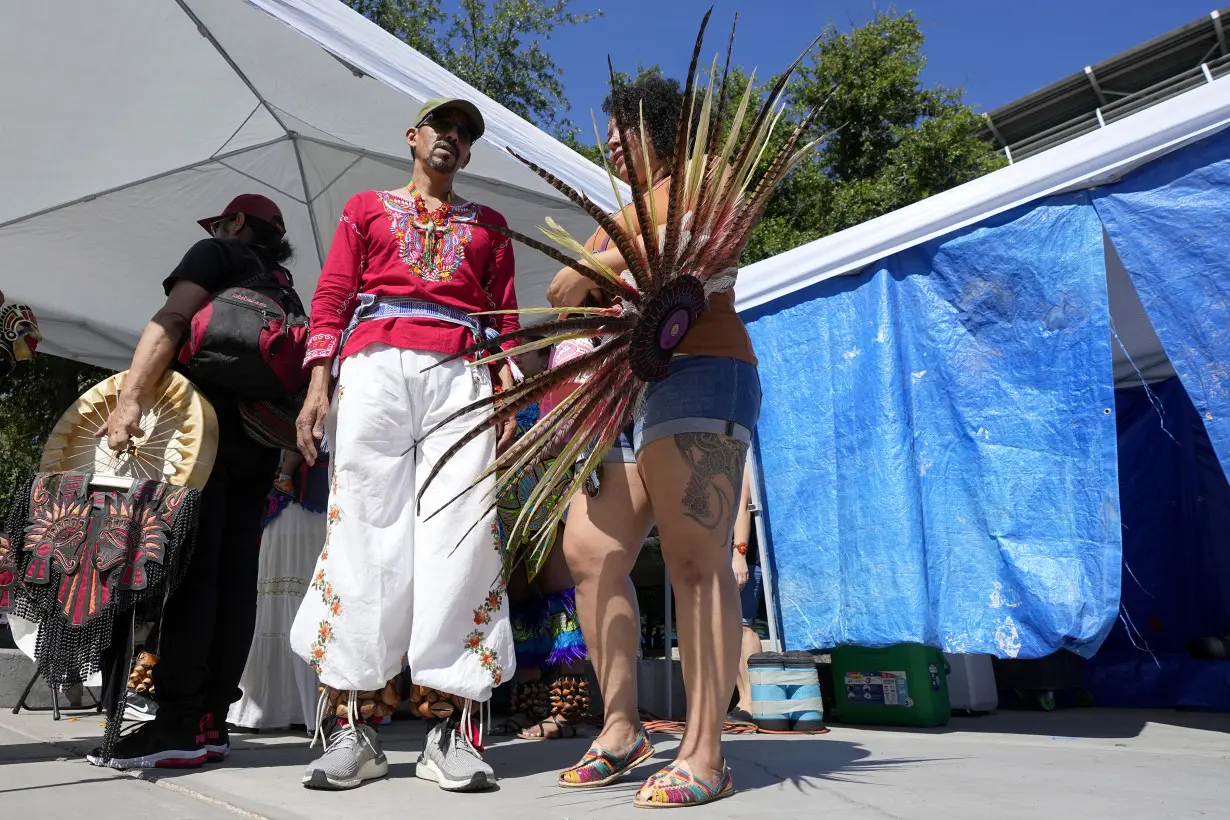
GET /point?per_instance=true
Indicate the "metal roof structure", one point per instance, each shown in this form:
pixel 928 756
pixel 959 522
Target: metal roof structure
pixel 1169 65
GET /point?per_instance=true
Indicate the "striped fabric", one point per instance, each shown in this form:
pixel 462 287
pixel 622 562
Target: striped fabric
pixel 393 307
pixel 599 767
pixel 675 787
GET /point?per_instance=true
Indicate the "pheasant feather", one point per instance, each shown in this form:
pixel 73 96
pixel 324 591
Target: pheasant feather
pixel 640 196
pixel 604 220
pixel 616 288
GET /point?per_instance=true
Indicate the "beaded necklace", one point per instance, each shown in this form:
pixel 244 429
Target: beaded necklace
pixel 429 221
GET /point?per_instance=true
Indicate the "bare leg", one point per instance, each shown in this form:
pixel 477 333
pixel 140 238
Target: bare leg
pixel 601 541
pixel 694 480
pixel 554 575
pixel 749 646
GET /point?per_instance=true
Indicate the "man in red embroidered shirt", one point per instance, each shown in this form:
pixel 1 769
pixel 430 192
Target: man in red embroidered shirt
pixel 406 269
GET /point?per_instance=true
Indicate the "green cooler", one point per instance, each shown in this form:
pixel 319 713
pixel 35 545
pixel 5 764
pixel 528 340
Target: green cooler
pixel 902 685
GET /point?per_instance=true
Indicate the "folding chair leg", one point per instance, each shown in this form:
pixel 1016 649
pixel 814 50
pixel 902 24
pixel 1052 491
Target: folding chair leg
pixel 21 702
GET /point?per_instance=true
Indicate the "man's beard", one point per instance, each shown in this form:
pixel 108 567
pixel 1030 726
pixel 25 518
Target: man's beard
pixel 442 164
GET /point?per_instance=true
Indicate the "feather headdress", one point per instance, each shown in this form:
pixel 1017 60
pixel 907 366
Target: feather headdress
pixel 671 271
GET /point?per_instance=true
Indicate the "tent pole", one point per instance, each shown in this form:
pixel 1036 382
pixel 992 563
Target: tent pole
pixel 766 558
pixel 307 197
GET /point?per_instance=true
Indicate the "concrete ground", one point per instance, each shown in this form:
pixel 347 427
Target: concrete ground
pixel 1091 763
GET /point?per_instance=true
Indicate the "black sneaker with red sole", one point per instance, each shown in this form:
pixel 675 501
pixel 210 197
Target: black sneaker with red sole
pixel 155 745
pixel 215 738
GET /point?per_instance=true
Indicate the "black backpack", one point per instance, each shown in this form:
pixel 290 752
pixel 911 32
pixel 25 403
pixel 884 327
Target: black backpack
pixel 250 339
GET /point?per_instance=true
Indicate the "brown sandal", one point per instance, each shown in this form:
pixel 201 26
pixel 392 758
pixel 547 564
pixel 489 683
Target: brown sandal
pixel 569 706
pixel 514 724
pixel 564 730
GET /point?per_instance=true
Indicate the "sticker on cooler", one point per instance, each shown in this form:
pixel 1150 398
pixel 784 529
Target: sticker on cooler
pixel 885 688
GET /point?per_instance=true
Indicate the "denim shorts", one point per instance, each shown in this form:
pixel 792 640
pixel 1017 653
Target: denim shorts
pixel 700 394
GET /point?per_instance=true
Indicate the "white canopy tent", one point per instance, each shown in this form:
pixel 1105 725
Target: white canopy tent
pixel 124 122
pixel 1085 162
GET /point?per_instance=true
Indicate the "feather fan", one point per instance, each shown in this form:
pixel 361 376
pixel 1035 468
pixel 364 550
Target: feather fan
pixel 670 273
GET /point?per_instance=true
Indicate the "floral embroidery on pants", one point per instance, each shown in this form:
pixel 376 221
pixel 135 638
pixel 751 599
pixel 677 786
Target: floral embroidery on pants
pixel 325 633
pixel 476 641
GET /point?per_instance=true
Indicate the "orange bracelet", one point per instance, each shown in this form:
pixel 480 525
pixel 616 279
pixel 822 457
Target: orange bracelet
pixel 741 548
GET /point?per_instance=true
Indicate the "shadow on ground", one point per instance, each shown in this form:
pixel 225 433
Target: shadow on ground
pixel 1092 723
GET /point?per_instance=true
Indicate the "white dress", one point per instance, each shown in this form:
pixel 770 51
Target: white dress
pixel 279 688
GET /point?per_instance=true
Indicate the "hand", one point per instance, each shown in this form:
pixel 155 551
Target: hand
pixel 569 289
pixel 123 425
pixel 506 426
pixel 310 426
pixel 738 563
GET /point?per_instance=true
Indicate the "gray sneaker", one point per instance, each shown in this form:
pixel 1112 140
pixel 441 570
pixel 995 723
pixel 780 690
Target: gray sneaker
pixel 450 759
pixel 352 755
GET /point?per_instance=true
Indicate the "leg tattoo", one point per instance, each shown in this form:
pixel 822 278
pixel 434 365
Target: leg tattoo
pixel 707 499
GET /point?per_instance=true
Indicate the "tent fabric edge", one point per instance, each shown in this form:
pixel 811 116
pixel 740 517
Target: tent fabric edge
pixel 1084 163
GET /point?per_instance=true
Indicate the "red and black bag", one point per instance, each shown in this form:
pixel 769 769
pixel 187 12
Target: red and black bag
pixel 271 422
pixel 250 339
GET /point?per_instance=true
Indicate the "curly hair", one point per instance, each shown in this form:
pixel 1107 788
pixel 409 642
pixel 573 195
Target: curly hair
pixel 663 100
pixel 272 240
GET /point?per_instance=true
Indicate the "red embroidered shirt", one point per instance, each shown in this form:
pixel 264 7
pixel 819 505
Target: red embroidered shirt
pixel 378 249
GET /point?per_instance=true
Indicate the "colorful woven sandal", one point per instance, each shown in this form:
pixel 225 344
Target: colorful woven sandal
pixel 601 768
pixel 673 788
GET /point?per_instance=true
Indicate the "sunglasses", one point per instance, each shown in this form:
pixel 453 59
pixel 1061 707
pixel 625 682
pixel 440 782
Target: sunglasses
pixel 217 224
pixel 441 124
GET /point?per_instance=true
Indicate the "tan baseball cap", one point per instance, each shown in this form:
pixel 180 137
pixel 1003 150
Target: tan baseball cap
pixel 469 109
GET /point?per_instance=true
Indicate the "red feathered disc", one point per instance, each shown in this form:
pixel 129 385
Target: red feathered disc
pixel 665 320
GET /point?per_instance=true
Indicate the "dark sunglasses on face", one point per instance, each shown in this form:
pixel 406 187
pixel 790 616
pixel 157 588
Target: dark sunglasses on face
pixel 441 124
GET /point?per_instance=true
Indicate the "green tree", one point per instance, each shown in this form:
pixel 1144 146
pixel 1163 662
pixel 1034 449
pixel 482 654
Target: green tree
pixel 891 140
pixel 497 47
pixel 31 400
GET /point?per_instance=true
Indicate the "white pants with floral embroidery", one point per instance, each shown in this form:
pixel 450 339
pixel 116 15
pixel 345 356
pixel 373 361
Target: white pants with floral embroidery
pixel 392 581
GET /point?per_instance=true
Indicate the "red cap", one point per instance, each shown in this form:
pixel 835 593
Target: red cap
pixel 253 205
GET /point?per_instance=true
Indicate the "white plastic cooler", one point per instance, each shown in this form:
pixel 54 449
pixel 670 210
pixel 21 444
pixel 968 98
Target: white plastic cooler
pixel 971 683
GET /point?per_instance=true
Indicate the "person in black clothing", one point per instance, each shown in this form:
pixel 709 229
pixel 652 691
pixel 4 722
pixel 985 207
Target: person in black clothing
pixel 207 623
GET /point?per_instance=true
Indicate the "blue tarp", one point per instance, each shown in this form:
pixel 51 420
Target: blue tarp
pixel 1170 223
pixel 938 443
pixel 1176 555
pixel 1176 524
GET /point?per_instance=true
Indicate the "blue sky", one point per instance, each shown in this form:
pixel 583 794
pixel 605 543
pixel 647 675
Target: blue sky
pixel 998 50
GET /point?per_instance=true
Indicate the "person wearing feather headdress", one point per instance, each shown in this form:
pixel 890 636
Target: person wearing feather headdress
pixel 682 470
pixel 406 270
pixel 662 406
